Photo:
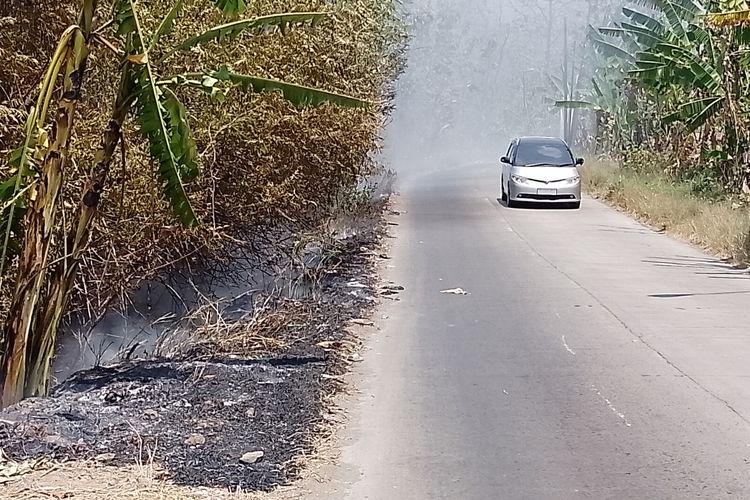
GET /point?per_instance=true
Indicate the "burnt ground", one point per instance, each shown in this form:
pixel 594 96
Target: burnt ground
pixel 197 414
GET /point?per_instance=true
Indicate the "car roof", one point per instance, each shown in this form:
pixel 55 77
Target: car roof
pixel 541 140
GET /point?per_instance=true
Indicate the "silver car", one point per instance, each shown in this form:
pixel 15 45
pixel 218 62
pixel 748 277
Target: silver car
pixel 540 169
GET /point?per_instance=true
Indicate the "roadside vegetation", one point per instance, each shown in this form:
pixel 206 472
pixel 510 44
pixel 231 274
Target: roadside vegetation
pixel 718 225
pixel 143 137
pixel 669 102
pixel 201 143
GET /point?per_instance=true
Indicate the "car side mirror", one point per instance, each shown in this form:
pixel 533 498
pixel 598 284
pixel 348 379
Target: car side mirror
pixel 579 161
pixel 504 159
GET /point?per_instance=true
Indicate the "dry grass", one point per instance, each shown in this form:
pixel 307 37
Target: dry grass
pixel 95 481
pixel 145 480
pixel 264 162
pixel 720 227
pixel 267 330
pixel 91 481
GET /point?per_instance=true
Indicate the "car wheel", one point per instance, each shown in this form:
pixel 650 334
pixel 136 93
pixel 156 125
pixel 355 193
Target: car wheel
pixel 503 196
pixel 511 203
pixel 575 205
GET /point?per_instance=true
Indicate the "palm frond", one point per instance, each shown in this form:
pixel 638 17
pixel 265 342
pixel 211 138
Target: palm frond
pixel 161 134
pixel 182 141
pixel 645 21
pixel 231 7
pixel 696 113
pixel 686 10
pixel 675 20
pixel 607 48
pixel 703 75
pixel 167 24
pixel 728 19
pixel 299 95
pixel 644 36
pixel 236 28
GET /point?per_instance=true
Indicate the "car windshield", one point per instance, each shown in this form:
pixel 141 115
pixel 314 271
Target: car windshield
pixel 550 153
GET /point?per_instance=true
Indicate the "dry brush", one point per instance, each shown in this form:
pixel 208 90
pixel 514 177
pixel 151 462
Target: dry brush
pixel 264 161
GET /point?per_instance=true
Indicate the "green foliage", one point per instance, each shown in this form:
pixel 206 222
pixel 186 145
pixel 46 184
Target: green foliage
pixel 11 195
pixel 11 226
pixel 171 143
pixel 182 142
pixel 227 31
pixel 169 147
pixel 644 161
pixel 354 200
pixel 231 7
pixel 162 117
pixel 686 66
pixel 704 181
pixel 297 94
pixel 696 113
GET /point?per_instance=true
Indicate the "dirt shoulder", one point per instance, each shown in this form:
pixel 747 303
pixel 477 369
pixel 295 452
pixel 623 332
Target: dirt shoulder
pixel 231 417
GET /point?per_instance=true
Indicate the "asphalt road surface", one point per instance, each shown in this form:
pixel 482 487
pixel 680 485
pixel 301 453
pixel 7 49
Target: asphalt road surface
pixel 592 358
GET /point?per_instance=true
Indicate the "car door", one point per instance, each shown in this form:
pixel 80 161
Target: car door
pixel 506 166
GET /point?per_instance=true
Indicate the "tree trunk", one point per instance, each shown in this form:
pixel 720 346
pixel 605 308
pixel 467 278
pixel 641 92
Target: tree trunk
pixel 40 222
pixel 62 281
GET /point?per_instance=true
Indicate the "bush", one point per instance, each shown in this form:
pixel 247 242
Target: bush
pixel 264 161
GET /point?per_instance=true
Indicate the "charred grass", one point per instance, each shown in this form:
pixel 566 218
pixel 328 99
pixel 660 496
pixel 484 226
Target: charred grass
pixel 183 423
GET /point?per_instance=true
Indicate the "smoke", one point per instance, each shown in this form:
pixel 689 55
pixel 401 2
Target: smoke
pixel 480 72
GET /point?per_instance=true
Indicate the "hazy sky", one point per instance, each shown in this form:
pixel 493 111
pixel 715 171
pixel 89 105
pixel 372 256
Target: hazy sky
pixel 479 74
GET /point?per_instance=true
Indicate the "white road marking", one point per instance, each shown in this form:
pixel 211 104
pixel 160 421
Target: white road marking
pixel 567 347
pixel 611 406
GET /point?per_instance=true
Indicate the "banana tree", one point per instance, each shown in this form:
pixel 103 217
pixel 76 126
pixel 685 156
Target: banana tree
pixel 40 218
pixel 150 97
pixel 616 118
pixel 730 14
pixel 690 56
pixel 670 52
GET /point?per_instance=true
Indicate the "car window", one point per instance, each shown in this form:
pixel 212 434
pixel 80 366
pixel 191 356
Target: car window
pixel 512 152
pixel 549 153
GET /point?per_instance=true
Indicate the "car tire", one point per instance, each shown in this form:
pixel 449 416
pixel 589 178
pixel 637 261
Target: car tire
pixel 510 203
pixel 503 196
pixel 575 205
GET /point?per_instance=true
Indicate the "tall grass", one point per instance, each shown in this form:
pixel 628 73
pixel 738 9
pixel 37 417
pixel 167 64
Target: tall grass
pixel 264 161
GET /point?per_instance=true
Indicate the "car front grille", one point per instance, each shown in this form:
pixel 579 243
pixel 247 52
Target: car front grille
pixel 550 197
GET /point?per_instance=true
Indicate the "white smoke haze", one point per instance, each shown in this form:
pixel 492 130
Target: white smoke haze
pixel 481 72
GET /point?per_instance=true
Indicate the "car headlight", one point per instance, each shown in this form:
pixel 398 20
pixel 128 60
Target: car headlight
pixel 519 179
pixel 574 180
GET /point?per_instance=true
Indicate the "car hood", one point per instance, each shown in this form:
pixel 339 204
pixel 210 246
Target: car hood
pixel 546 174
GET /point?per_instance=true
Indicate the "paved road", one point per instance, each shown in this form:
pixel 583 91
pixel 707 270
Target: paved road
pixel 593 358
